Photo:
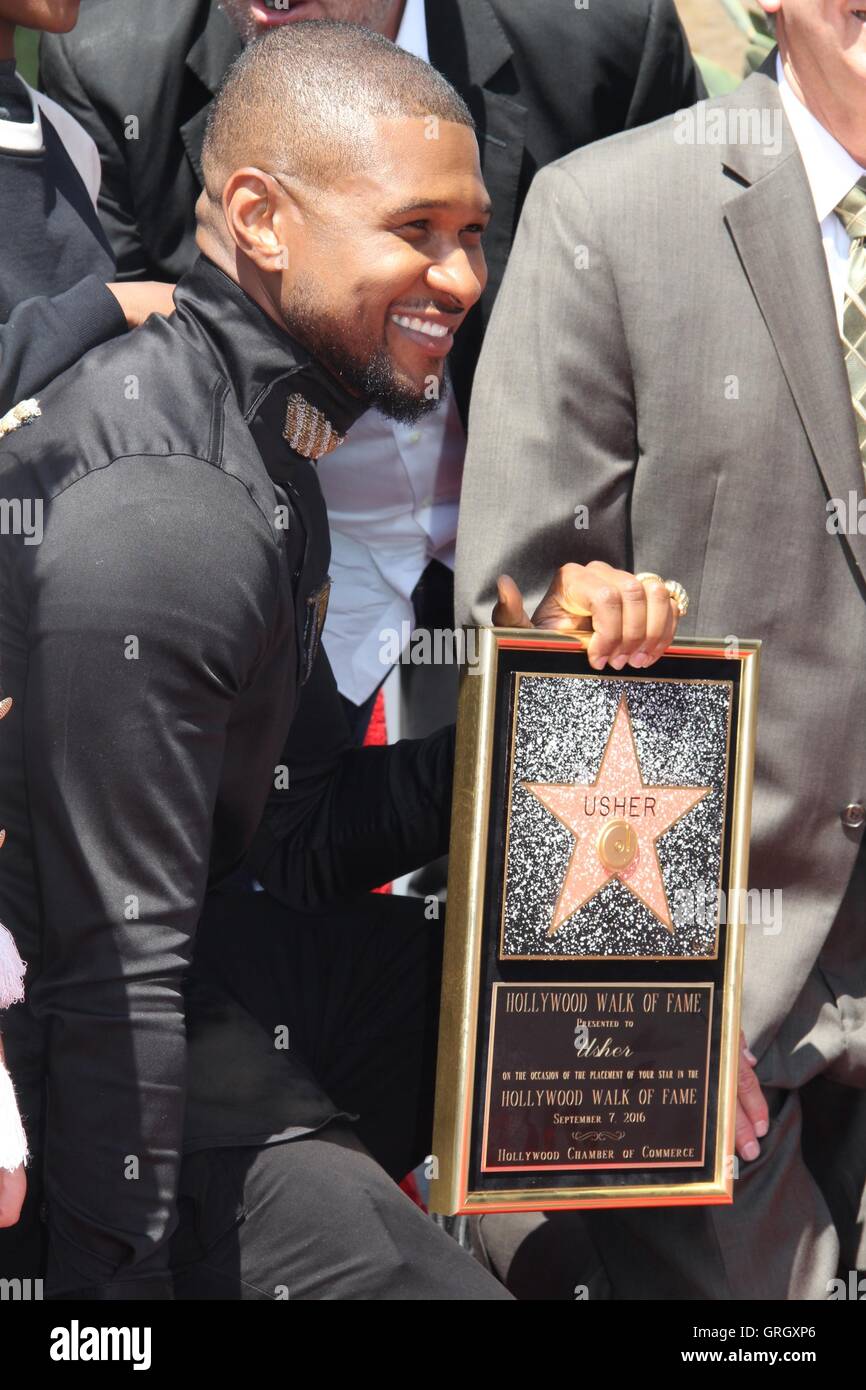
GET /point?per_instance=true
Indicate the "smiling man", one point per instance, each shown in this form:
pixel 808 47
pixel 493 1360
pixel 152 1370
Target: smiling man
pixel 376 217
pixel 541 77
pixel 182 585
pixel 161 651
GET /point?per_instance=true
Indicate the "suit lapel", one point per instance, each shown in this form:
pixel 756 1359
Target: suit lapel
pixel 466 41
pixel 774 226
pixel 469 46
pixel 502 138
pixel 210 55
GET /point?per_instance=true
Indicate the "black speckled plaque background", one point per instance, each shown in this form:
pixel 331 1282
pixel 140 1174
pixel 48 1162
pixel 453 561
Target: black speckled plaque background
pixel 561 727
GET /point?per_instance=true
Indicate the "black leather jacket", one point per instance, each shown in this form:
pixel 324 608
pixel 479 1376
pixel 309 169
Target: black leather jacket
pixel 155 640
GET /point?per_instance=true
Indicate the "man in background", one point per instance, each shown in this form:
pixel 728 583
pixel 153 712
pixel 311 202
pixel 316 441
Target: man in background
pixel 676 357
pixel 540 78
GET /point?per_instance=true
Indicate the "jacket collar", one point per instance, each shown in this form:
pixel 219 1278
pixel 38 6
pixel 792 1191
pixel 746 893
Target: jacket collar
pixel 216 46
pixel 260 361
pixel 467 42
pixel 209 57
pixel 771 217
pixel 756 107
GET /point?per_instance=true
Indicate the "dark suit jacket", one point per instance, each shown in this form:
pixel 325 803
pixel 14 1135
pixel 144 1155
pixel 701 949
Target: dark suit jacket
pixel 540 77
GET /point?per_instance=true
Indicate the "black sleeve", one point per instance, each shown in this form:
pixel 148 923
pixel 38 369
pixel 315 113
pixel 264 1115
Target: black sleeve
pixel 42 337
pixel 668 78
pixel 151 603
pixel 116 205
pixel 350 818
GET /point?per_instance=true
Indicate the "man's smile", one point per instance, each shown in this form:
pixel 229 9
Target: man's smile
pixel 432 338
pixel 430 330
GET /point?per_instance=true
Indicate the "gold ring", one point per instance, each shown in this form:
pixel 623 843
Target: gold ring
pixel 679 596
pixel 676 591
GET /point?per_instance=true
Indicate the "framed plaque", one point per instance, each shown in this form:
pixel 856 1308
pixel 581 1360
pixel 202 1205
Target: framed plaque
pixel 589 1033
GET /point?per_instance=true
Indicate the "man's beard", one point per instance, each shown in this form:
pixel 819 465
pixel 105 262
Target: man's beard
pixel 369 13
pixel 372 375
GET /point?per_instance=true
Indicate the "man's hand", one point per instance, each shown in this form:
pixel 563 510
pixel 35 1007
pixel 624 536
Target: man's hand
pixel 140 298
pixel 13 1186
pixel 630 621
pixel 753 1116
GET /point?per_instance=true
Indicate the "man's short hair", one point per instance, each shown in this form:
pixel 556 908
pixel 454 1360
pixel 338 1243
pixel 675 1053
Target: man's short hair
pixel 302 100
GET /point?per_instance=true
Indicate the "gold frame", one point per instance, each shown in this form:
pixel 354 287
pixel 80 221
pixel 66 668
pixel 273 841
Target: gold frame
pixel 449 1193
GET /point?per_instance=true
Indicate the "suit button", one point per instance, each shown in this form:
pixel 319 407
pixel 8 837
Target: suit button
pixel 854 816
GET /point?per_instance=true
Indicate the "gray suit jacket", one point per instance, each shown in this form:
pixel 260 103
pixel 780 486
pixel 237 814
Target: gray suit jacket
pixel 665 351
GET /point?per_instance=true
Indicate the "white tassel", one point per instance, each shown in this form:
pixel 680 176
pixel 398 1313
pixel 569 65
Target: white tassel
pixel 12 969
pixel 13 1142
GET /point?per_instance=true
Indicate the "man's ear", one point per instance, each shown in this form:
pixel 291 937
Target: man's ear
pixel 253 206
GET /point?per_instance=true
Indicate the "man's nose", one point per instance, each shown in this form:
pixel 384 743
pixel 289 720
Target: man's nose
pixel 456 275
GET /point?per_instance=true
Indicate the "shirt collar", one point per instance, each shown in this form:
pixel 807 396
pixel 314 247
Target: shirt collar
pixel 413 30
pixel 257 357
pixel 830 169
pixel 21 136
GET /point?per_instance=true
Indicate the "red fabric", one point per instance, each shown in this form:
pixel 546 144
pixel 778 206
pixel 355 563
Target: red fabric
pixel 375 737
pixel 410 1186
pixel 377 732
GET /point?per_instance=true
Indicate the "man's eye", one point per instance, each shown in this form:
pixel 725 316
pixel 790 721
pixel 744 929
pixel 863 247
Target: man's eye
pixel 477 228
pixel 419 226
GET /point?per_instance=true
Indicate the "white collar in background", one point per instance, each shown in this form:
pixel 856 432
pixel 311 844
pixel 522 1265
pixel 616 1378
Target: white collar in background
pixel 413 30
pixel 23 137
pixel 830 169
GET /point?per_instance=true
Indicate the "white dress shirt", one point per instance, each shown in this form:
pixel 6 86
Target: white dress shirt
pixel 392 493
pixel 832 173
pixel 413 30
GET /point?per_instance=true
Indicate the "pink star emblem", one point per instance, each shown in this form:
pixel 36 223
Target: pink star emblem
pixel 616 822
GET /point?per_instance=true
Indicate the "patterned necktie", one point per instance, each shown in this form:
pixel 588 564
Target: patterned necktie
pixel 852 211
